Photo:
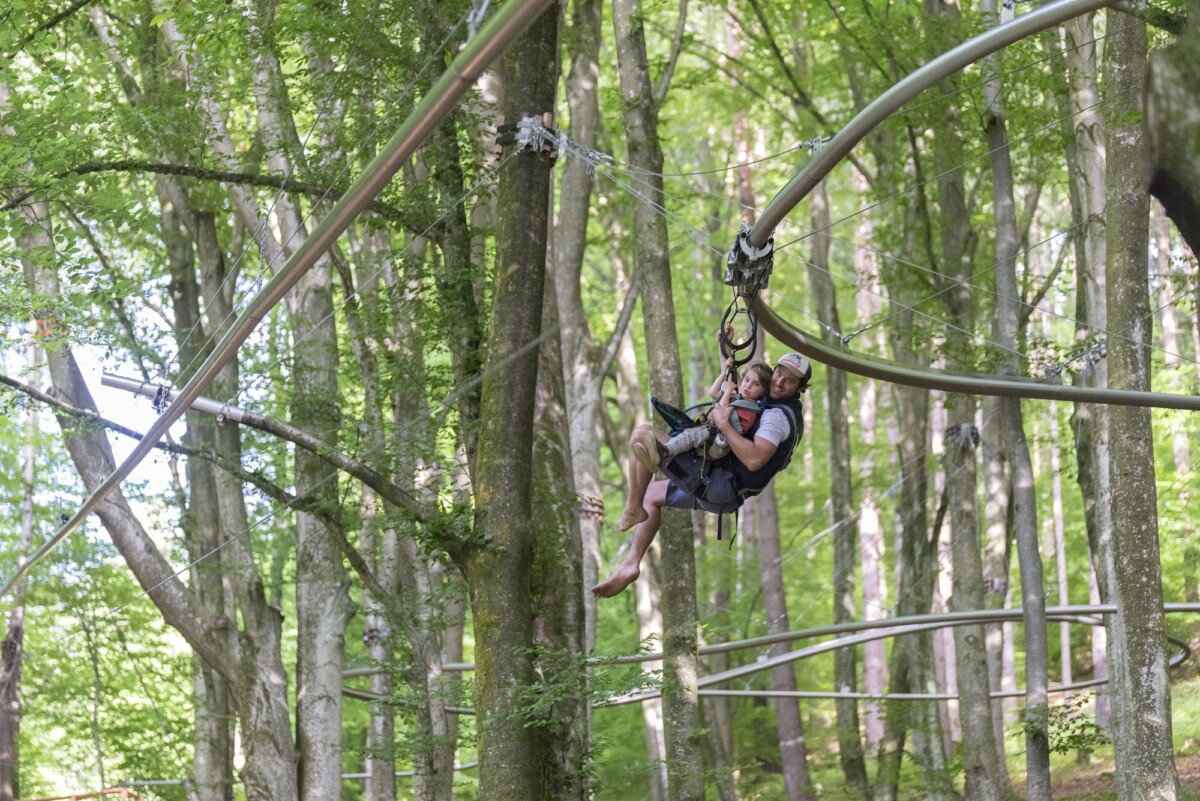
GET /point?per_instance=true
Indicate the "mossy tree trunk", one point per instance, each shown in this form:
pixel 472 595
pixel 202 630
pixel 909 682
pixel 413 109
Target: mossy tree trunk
pixel 497 562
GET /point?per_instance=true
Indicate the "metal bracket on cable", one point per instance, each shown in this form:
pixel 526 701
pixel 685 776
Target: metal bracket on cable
pixel 748 267
pixel 534 133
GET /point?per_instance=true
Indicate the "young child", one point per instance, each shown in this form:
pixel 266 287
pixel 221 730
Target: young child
pixel 750 393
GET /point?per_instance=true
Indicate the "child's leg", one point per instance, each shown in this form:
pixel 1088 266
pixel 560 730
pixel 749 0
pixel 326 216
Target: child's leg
pixel 687 440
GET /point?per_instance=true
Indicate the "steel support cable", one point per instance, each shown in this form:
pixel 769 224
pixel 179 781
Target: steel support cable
pixel 508 23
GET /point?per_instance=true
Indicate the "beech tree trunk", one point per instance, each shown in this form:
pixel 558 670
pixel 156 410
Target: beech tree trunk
pixel 1142 739
pixel 1090 422
pixel 1005 327
pixel 1172 114
pixel 14 634
pixel 909 667
pixel 841 507
pixel 497 563
pixel 557 581
pixel 652 260
pixel 581 373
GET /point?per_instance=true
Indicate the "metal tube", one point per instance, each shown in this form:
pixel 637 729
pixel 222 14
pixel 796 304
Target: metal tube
pixel 971 383
pixel 960 619
pixel 909 87
pixel 149 390
pixel 509 22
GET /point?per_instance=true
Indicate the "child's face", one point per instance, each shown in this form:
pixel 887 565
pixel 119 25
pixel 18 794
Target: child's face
pixel 751 388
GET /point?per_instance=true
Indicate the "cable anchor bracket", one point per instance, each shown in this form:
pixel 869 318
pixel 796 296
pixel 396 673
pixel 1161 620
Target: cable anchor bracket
pixel 749 268
pixel 534 133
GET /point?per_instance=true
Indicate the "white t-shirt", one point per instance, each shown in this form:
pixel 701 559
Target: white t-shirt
pixel 773 426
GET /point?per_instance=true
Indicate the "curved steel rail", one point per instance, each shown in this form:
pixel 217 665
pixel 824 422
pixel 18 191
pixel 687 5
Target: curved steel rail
pixel 817 167
pixel 972 383
pixel 909 87
pixel 509 22
pixel 860 631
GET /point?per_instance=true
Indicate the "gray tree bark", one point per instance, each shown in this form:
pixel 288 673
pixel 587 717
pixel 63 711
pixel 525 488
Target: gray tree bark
pixel 652 263
pixel 1005 327
pixel 11 649
pixel 1090 422
pixel 1142 740
pixel 557 580
pixel 1171 118
pixel 841 507
pixel 323 605
pixel 908 668
pixel 582 377
pixel 496 564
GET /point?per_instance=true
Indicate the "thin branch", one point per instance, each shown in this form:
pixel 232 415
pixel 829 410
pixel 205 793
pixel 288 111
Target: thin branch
pixel 384 210
pixel 268 487
pixel 613 346
pixel 853 36
pixel 45 26
pixel 741 84
pixel 676 46
pixel 1031 304
pixel 118 304
pixel 773 46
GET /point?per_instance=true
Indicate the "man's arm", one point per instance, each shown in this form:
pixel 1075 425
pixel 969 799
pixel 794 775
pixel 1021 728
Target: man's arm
pixel 753 453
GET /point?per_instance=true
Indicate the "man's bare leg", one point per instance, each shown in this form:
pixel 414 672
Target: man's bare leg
pixel 628 571
pixel 639 479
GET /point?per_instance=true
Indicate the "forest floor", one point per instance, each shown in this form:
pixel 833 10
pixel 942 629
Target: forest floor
pixel 1098 783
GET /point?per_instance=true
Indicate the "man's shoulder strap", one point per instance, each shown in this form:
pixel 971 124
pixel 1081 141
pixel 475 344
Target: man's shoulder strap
pixel 795 414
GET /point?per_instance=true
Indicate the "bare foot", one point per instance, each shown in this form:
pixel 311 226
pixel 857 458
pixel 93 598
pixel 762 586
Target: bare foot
pixel 631 517
pixel 621 578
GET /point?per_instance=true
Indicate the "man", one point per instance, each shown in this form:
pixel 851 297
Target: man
pixel 754 461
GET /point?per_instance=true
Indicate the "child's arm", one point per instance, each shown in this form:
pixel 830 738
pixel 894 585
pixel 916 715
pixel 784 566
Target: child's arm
pixel 726 362
pixel 717 386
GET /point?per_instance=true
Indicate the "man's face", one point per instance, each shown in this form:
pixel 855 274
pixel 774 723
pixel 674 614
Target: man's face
pixel 783 384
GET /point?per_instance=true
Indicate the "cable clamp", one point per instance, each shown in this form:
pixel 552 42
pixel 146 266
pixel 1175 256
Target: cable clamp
pixel 748 267
pixel 816 144
pixel 533 133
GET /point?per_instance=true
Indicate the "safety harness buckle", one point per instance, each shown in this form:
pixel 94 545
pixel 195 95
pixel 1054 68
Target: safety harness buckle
pixel 748 267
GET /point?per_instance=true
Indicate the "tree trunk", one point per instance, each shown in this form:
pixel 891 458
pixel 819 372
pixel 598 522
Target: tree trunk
pixel 649 615
pixel 1090 422
pixel 557 581
pixel 652 260
pixel 1143 750
pixel 841 507
pixel 870 525
pixel 11 650
pixel 212 759
pixel 1005 326
pixel 583 384
pixel 1170 123
pixel 497 563
pixel 915 566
